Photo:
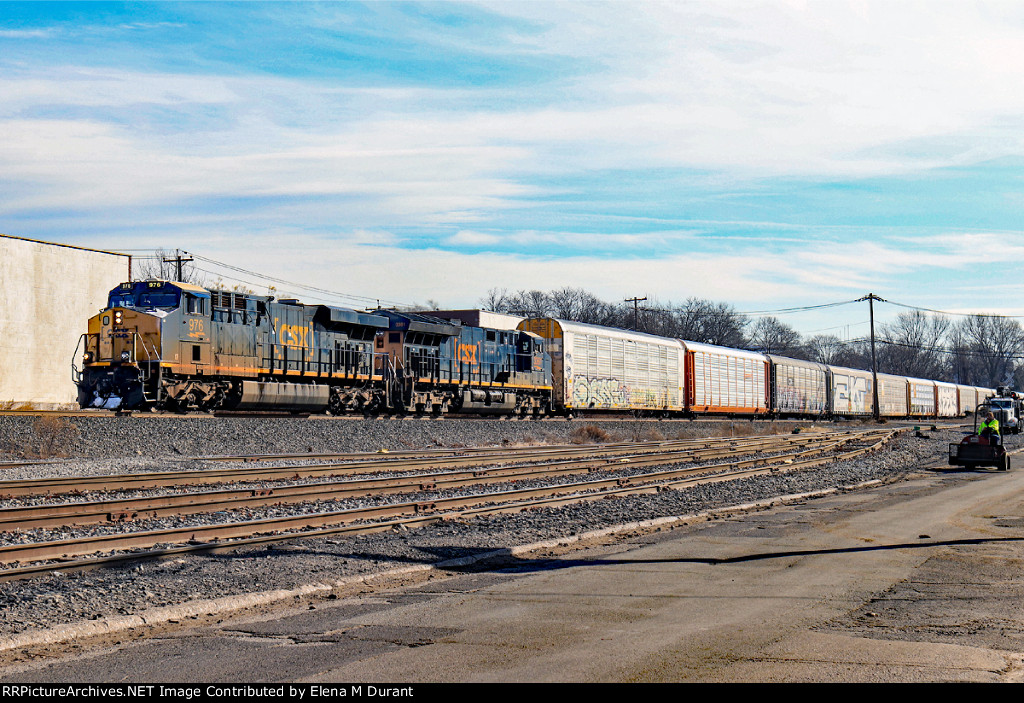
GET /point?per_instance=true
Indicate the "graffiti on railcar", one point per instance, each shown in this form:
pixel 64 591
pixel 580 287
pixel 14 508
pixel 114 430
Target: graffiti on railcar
pixel 852 394
pixel 599 392
pixel 646 398
pixel 791 399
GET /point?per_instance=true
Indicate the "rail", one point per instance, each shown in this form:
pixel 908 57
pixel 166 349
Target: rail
pixel 209 537
pixel 190 503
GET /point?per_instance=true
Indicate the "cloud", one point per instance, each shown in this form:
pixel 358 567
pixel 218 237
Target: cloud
pixel 26 33
pixel 81 86
pixel 467 237
pixel 692 148
pixel 777 88
pixel 821 89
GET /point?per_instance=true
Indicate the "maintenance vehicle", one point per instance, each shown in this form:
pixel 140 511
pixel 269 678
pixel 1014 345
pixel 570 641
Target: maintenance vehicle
pixel 978 450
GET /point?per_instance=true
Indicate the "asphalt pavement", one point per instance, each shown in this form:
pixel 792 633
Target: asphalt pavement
pixel 915 581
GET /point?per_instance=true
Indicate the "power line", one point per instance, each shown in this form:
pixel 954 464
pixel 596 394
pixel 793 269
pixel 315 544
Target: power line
pixel 291 284
pixel 837 327
pixel 983 354
pixel 955 314
pixel 786 311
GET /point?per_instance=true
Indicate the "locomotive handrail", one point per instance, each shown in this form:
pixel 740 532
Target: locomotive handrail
pixel 76 375
pixel 146 372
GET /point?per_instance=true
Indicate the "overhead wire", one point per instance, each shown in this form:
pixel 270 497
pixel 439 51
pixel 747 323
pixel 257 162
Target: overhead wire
pixel 955 314
pixel 802 308
pixel 290 284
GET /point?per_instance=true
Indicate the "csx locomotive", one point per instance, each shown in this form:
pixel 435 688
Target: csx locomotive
pixel 178 346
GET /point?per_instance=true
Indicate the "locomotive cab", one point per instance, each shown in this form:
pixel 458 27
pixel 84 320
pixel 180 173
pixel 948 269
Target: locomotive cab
pixel 124 348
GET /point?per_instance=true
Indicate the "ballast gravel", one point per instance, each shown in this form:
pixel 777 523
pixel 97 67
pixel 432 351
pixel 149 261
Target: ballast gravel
pixel 134 588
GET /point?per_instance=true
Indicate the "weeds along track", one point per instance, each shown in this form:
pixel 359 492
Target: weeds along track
pixel 364 494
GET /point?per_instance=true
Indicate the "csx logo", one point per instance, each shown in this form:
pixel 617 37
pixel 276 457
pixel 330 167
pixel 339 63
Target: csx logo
pixel 465 353
pixel 293 335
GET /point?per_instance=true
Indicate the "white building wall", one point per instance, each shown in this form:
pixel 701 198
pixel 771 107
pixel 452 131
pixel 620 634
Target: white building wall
pixel 47 294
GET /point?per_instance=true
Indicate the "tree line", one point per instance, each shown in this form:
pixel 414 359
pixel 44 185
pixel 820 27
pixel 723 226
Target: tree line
pixel 978 350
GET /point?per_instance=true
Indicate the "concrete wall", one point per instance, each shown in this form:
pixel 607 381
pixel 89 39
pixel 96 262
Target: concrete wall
pixel 47 294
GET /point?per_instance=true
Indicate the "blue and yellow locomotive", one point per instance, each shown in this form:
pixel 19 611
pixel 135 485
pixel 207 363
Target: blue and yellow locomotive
pixel 431 365
pixel 178 346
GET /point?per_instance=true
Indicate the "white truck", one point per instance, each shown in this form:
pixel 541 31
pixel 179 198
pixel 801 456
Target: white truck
pixel 1007 407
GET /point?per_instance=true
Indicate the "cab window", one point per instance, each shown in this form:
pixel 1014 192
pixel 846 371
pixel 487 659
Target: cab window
pixel 195 305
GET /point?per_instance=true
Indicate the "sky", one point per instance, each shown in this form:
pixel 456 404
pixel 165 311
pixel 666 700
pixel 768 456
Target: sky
pixel 768 155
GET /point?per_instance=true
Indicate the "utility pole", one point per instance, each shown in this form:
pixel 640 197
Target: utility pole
pixel 178 261
pixel 636 311
pixel 871 298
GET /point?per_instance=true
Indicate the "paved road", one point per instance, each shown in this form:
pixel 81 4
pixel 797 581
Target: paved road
pixel 917 581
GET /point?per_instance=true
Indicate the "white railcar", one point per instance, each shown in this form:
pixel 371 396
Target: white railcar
pixel 600 368
pixel 798 387
pixel 967 399
pixel 946 399
pixel 922 397
pixel 851 392
pixel 892 396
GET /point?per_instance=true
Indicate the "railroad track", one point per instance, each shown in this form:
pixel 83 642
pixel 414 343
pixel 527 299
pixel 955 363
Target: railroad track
pixel 362 462
pixel 103 511
pixel 669 469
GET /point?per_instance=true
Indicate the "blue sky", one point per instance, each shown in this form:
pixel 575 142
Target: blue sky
pixel 765 154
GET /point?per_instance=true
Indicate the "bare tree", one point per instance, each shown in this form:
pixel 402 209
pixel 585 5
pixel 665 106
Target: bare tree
pixel 986 349
pixel 770 335
pixel 596 311
pixel 980 350
pixel 496 300
pixel 566 303
pixel 826 349
pixel 532 303
pixel 913 346
pixel 163 266
pixel 702 320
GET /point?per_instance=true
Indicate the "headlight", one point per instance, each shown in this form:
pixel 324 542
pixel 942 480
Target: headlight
pixel 117 317
pixel 87 358
pixel 125 356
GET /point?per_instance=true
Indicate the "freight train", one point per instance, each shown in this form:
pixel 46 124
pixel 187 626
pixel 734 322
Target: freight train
pixel 176 346
pixel 598 368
